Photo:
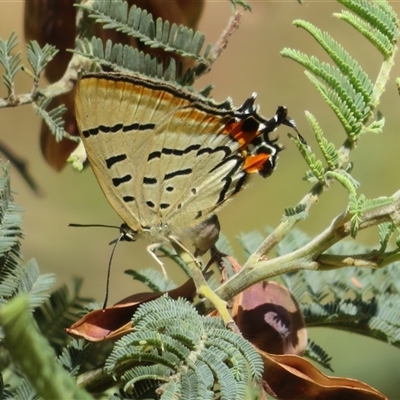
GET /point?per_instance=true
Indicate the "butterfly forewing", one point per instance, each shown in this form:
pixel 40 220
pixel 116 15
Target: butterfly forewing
pixel 107 119
pixel 163 157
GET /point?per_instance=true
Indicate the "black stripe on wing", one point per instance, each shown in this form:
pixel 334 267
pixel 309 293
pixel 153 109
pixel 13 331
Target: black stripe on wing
pixel 174 152
pixel 117 128
pixel 110 161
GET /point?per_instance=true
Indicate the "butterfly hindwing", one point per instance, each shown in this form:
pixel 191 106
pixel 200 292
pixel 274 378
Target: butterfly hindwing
pixel 187 156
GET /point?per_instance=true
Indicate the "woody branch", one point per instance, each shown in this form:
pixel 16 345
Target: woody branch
pixel 311 257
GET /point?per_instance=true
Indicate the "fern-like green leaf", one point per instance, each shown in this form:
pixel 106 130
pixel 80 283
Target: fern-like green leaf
pixel 9 283
pixel 151 372
pixel 379 40
pixel 350 123
pixel 328 150
pixel 190 387
pixel 128 60
pixel 378 23
pixel 345 180
pixel 358 206
pixel 25 391
pixel 310 177
pixel 377 125
pixel 143 390
pixel 386 231
pixel 10 62
pixel 53 118
pixel 39 57
pixel 346 88
pixel 140 24
pixel 346 64
pixel 335 81
pixel 152 278
pixel 59 311
pixel 356 211
pixel 193 352
pixel 11 267
pixel 317 172
pixel 10 215
pixel 171 390
pixel 352 299
pixel 318 354
pixel 38 286
pixel 73 356
pixel 317 168
pixel 216 361
pixel 236 344
pixel 370 204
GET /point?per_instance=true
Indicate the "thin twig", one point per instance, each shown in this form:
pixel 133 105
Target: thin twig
pixel 374 260
pixel 310 257
pixel 63 85
pixel 223 41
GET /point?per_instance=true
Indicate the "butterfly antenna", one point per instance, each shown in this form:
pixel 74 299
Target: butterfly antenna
pixel 109 270
pixel 93 225
pixel 126 234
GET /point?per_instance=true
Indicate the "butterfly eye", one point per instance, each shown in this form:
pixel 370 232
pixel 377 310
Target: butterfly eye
pixel 127 234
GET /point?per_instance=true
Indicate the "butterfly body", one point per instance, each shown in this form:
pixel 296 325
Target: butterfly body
pixel 168 159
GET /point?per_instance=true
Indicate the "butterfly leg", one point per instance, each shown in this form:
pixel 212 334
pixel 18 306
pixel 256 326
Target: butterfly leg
pixel 202 288
pixel 151 249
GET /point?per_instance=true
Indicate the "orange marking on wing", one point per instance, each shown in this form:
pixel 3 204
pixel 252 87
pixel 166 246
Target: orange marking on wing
pixel 255 163
pixel 197 116
pixel 235 130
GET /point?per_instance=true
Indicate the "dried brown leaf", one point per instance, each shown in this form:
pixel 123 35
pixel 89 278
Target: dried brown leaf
pixel 290 377
pixel 115 321
pixel 269 317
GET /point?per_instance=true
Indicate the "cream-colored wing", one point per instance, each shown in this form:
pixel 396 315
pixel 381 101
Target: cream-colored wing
pixel 165 158
pixel 118 119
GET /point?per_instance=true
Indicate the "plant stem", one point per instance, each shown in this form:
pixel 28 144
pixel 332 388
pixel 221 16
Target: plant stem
pixel 310 256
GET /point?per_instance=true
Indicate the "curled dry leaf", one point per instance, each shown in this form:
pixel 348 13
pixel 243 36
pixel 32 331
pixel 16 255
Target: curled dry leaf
pixel 290 377
pixel 115 321
pixel 269 317
pixel 285 377
pixel 53 22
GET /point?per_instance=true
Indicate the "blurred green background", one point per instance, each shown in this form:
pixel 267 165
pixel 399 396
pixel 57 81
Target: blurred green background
pixel 250 63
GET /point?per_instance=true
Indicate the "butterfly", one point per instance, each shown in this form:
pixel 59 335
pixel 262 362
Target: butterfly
pixel 166 158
